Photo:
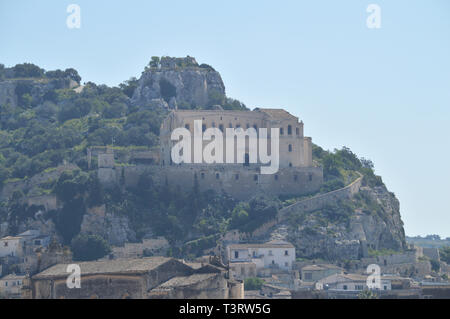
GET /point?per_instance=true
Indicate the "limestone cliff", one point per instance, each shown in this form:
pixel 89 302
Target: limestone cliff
pixel 348 230
pixel 179 82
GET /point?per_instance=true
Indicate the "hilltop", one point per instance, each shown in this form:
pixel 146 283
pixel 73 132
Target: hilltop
pixel 49 120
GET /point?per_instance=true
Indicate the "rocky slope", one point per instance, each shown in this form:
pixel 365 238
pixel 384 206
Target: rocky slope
pixel 370 221
pixel 179 82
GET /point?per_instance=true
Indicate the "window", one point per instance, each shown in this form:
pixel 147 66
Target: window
pixel 255 126
pixel 297 131
pixel 202 175
pixel 359 287
pixel 187 127
pixel 286 252
pixel 308 276
pixel 230 125
pixel 248 126
pixel 237 177
pixel 236 254
pixel 217 176
pixel 204 127
pixel 255 178
pixel 385 287
pixel 281 131
pixel 296 178
pixel 213 124
pixel 270 253
pixel 290 147
pixel 276 177
pixel 273 262
pixel 345 287
pixel 289 130
pixel 310 177
pixel 221 127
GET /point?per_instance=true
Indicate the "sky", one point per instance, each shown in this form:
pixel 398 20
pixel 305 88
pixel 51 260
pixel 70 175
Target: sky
pixel 383 92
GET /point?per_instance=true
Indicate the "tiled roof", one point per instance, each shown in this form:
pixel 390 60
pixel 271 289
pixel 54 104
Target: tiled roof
pixel 11 238
pixel 277 113
pixel 107 267
pixel 183 281
pixel 271 244
pixel 13 277
pixel 320 267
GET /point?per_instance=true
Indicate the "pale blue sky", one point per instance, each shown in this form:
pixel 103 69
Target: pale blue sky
pixel 385 93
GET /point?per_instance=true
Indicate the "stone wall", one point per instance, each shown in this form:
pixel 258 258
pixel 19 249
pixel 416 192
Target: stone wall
pixel 320 201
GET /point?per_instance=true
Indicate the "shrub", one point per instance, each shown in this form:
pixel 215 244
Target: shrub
pixel 253 283
pixel 89 247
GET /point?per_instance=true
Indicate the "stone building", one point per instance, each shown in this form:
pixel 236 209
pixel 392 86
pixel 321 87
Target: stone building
pixel 155 277
pixel 297 173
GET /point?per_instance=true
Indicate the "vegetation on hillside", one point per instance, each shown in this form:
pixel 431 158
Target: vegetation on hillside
pixel 49 128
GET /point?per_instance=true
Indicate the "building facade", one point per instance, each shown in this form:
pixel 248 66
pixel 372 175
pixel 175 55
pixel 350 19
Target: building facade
pixel 242 178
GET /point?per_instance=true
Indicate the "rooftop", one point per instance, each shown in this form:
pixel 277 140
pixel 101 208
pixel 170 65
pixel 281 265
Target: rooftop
pixel 183 281
pixel 107 267
pixel 320 267
pixel 270 244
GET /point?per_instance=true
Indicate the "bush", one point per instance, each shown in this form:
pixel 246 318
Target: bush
pixel 89 247
pixel 253 283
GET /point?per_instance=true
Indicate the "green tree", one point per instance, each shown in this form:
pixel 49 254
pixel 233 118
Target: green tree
pixel 89 247
pixel 445 254
pixel 253 283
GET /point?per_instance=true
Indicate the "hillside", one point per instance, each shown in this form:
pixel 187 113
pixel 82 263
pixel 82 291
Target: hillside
pixel 48 121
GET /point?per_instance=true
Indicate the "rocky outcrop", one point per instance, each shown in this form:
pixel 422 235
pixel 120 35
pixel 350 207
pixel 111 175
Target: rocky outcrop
pixel 179 82
pixel 351 237
pixel 115 229
pixel 11 90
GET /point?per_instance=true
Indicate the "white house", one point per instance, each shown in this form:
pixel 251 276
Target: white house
pixel 11 246
pixel 271 255
pixel 349 282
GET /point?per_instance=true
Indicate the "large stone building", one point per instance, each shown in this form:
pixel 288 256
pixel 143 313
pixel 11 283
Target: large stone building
pixel 155 277
pixel 297 173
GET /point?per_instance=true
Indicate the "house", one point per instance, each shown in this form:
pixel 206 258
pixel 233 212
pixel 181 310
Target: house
pixel 11 246
pixel 349 282
pixel 154 277
pixel 278 255
pixel 11 286
pixel 313 273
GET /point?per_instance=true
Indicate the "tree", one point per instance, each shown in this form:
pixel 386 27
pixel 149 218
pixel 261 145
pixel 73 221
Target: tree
pixel 73 74
pixel 253 283
pixel 154 63
pixel 128 87
pixel 445 254
pixel 28 70
pixel 89 247
pixel 368 294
